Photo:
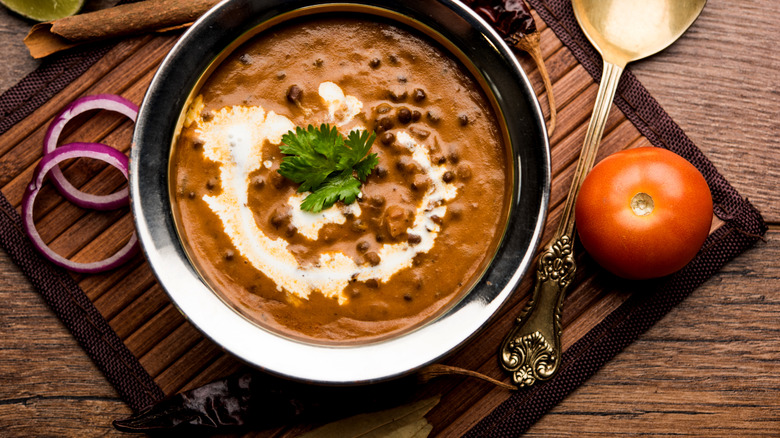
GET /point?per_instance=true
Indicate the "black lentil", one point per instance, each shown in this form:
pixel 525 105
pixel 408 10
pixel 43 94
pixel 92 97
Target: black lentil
pixel 383 108
pixel 377 201
pixel 384 123
pixel 294 94
pixel 387 138
pixel 421 183
pixel 395 96
pixel 291 230
pixel 373 258
pixel 278 181
pixel 404 115
pixel 463 171
pixel 278 219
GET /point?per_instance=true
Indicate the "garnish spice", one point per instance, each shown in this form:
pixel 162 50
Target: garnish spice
pixel 514 22
pixel 326 164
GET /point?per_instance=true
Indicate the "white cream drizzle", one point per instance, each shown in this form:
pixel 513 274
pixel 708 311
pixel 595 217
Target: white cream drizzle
pixel 309 224
pixel 341 109
pixel 234 138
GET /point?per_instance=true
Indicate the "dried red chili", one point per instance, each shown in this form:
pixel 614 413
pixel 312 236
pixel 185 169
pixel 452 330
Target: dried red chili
pixel 514 22
pixel 511 18
pixel 256 400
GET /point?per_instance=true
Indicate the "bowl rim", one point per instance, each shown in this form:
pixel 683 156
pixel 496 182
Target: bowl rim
pixel 327 363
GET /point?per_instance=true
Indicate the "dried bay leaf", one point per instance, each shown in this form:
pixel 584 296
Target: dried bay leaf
pixel 424 432
pixel 406 421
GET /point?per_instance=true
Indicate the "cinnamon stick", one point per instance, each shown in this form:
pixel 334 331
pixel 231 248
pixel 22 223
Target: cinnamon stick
pixel 131 19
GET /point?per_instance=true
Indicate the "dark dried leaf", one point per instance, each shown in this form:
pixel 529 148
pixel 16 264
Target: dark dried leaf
pixel 259 401
pixel 511 18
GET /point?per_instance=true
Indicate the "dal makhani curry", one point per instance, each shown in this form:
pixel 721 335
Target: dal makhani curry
pixel 427 218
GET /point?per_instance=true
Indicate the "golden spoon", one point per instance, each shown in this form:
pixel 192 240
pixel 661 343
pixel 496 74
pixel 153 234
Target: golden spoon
pixel 622 31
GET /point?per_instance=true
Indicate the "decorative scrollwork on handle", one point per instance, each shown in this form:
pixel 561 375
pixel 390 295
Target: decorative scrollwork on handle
pixel 557 263
pixel 532 351
pixel 531 358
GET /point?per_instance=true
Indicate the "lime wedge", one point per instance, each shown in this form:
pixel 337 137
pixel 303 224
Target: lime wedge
pixel 44 10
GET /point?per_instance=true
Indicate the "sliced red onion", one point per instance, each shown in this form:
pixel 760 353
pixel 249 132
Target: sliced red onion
pixel 109 102
pixel 47 164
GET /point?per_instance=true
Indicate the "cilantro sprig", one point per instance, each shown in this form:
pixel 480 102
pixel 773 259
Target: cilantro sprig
pixel 326 164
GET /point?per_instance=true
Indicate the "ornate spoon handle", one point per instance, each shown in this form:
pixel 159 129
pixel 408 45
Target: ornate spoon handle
pixel 532 350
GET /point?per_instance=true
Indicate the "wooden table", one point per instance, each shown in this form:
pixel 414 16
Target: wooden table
pixel 710 368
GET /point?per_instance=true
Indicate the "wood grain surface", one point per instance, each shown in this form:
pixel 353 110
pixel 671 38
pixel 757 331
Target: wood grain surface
pixel 709 368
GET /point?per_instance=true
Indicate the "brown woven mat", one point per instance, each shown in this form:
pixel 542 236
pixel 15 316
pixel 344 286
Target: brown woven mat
pixel 126 323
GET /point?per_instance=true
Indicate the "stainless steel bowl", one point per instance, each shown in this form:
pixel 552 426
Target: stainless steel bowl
pixel 208 41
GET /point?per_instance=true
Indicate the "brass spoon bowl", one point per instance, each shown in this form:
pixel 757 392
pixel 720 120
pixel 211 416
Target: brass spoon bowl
pixel 622 31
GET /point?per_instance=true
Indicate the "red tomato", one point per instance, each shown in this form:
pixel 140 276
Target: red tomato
pixel 643 213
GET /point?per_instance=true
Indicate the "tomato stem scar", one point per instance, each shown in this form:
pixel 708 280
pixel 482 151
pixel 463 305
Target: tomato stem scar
pixel 642 204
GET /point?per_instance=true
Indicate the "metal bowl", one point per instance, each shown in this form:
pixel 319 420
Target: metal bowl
pixel 208 41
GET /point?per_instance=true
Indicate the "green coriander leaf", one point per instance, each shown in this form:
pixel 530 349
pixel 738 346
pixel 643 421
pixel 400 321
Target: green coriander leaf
pixel 342 186
pixel 311 155
pixel 358 143
pixel 323 162
pixel 365 166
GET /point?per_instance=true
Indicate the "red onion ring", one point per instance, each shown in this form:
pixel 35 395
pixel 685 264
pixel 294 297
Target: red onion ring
pixel 109 102
pixel 47 164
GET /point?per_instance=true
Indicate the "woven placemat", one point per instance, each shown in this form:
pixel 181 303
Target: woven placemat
pixel 742 227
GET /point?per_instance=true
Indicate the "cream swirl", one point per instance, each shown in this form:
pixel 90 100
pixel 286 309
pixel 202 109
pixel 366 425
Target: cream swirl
pixel 234 138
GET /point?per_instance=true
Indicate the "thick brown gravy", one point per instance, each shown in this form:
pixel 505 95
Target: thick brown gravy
pixel 410 89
